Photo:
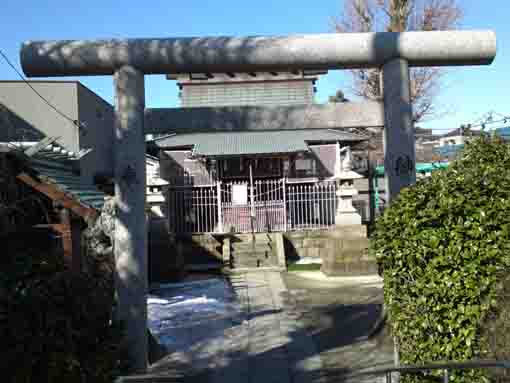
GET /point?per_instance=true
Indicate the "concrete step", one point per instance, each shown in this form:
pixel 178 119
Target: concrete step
pixel 248 237
pixel 252 252
pixel 259 255
pixel 244 247
pixel 256 258
pixel 254 262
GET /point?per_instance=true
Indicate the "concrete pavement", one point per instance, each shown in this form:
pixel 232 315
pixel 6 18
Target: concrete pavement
pixel 261 341
pixel 283 328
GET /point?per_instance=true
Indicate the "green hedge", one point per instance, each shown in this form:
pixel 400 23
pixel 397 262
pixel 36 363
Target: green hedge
pixel 443 246
pixel 56 326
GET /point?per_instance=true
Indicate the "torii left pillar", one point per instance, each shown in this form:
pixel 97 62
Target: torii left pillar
pixel 130 247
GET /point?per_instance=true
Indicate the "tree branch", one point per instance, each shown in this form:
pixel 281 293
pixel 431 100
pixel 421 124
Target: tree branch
pixel 400 15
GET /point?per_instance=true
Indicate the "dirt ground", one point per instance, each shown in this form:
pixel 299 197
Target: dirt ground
pixel 343 318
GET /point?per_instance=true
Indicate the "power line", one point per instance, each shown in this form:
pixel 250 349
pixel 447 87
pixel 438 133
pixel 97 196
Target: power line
pixel 62 114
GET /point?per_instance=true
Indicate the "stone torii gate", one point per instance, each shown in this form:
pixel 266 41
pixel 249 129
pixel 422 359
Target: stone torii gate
pixel 129 60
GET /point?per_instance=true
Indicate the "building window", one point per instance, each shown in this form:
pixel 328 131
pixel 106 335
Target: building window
pixel 305 167
pixel 240 167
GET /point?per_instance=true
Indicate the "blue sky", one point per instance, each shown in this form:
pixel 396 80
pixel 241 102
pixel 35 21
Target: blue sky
pixel 469 92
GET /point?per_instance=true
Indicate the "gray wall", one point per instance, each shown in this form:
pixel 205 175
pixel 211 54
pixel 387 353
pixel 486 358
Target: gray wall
pixel 22 109
pixel 24 116
pixel 98 115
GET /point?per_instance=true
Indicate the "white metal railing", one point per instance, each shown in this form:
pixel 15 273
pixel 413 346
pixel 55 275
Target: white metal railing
pixel 193 210
pixel 311 206
pixel 263 210
pixel 272 205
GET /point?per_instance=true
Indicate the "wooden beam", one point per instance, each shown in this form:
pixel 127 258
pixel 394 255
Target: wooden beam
pixel 52 192
pixel 75 232
pixel 67 241
pixel 57 227
pixel 69 229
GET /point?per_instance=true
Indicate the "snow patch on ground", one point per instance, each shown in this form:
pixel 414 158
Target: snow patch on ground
pixel 361 281
pixel 173 309
pixel 308 261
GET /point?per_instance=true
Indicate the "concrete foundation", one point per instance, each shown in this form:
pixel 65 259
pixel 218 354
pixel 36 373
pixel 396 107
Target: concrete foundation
pixel 343 251
pixel 130 246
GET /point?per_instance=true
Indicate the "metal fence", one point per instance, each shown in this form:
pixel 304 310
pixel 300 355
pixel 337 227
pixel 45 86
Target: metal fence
pixel 311 206
pixel 262 210
pixel 445 367
pixel 424 371
pixel 268 206
pixel 193 209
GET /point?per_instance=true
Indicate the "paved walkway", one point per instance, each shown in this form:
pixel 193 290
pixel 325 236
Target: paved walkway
pixel 262 341
pixel 340 314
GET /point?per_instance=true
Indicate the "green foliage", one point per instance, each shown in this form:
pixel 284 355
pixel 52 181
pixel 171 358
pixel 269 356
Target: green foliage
pixel 496 331
pixel 442 246
pixel 56 326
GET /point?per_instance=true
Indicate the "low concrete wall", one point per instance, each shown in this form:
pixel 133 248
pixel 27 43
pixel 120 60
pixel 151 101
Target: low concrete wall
pixel 170 256
pixel 200 251
pixel 341 251
pixel 165 263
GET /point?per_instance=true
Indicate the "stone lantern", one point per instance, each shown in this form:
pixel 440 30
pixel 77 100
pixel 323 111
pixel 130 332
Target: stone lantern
pixel 345 214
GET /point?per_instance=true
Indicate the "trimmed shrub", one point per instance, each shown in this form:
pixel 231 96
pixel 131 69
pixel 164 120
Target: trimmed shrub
pixel 496 331
pixel 443 246
pixel 56 326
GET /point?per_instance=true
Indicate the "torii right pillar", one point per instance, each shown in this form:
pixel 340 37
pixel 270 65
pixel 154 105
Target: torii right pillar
pixel 399 148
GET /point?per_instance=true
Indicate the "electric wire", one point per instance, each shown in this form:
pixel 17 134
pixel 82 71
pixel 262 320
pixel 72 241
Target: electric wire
pixel 62 114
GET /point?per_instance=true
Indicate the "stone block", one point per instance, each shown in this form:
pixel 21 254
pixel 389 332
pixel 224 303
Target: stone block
pixel 280 249
pixel 314 242
pixel 317 233
pixel 226 250
pixel 372 268
pixel 302 252
pixel 332 243
pixel 347 256
pixel 355 244
pixel 295 235
pixel 313 252
pixel 297 243
pixel 333 269
pixel 326 254
pixel 348 231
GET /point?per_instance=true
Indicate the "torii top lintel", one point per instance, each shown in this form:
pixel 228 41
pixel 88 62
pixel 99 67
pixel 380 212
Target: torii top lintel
pixel 249 54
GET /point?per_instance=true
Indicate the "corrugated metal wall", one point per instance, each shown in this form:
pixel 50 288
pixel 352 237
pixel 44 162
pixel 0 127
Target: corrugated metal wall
pixel 255 93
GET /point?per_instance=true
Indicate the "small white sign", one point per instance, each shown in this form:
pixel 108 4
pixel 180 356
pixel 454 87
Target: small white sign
pixel 240 194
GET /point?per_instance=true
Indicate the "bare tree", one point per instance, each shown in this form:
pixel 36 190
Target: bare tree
pixel 399 16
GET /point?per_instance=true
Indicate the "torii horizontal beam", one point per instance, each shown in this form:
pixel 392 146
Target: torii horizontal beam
pixel 251 54
pixel 253 118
